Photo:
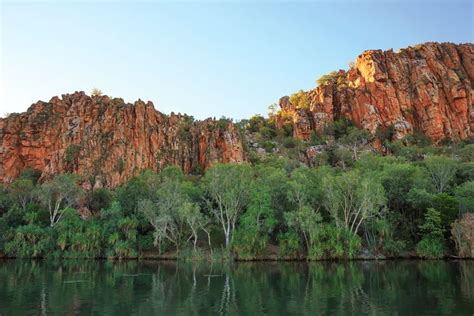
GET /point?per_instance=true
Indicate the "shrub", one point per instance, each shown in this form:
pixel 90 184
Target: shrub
pixel 417 138
pixel 332 242
pixel 77 238
pixel 223 123
pixel 432 244
pixel 100 199
pixel 255 123
pixel 338 128
pixel 30 241
pixel 393 247
pixel 300 100
pixel 71 156
pixel 120 167
pixel 430 248
pixel 290 244
pixel 289 142
pixel 328 79
pixel 385 134
pixel 247 243
pixel 120 232
pixel 96 92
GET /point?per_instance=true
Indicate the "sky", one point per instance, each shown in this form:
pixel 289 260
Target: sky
pixel 206 59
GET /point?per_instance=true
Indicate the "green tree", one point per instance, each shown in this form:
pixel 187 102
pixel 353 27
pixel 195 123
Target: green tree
pixel 58 194
pixel 432 244
pixel 257 222
pixel 119 231
pixel 465 196
pixel 78 238
pixel 21 191
pixel 227 189
pixel 166 210
pixel 30 241
pixel 355 138
pixel 300 100
pixel 306 221
pixel 352 198
pixel 442 171
pixel 137 188
pixel 196 221
pixel 100 199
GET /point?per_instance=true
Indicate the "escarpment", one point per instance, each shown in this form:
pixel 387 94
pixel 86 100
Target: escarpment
pixel 106 141
pixel 427 88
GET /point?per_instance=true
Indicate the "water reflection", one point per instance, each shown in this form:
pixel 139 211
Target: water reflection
pixel 151 287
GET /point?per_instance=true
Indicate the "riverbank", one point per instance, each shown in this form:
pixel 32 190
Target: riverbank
pixel 220 257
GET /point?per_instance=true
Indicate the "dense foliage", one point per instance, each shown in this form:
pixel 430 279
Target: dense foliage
pixel 347 201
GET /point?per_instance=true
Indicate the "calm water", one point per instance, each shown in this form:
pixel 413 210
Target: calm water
pixel 168 288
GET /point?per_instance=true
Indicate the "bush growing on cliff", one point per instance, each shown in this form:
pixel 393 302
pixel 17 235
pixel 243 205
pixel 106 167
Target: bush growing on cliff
pixel 96 92
pixel 71 156
pixel 300 100
pixel 330 78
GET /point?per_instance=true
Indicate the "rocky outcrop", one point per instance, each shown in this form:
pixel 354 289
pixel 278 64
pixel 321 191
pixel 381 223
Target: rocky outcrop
pixel 426 88
pixel 107 141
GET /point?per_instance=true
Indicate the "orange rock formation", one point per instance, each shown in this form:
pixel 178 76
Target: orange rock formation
pixel 108 141
pixel 426 88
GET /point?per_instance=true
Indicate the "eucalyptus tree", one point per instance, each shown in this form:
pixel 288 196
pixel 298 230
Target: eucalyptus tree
pixel 227 187
pixel 59 194
pixel 442 170
pixel 465 196
pixel 305 193
pixel 352 198
pixel 196 221
pixel 166 208
pixel 22 191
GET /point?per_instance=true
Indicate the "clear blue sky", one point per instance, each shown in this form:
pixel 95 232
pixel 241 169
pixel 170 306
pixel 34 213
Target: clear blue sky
pixel 204 58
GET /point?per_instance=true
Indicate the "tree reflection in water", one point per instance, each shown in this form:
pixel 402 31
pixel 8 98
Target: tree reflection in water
pixel 152 287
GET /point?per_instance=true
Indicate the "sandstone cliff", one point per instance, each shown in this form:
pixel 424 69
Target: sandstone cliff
pixel 426 88
pixel 107 141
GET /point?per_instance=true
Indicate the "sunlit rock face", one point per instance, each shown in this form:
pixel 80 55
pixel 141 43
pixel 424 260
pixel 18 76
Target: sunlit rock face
pixel 426 88
pixel 107 141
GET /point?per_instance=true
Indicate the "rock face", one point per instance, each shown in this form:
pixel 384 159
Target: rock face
pixel 108 141
pixel 426 88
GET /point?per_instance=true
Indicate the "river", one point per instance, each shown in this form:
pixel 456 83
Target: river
pixel 273 288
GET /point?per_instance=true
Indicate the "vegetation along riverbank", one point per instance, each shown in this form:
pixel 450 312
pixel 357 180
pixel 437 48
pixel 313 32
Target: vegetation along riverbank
pixel 413 202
